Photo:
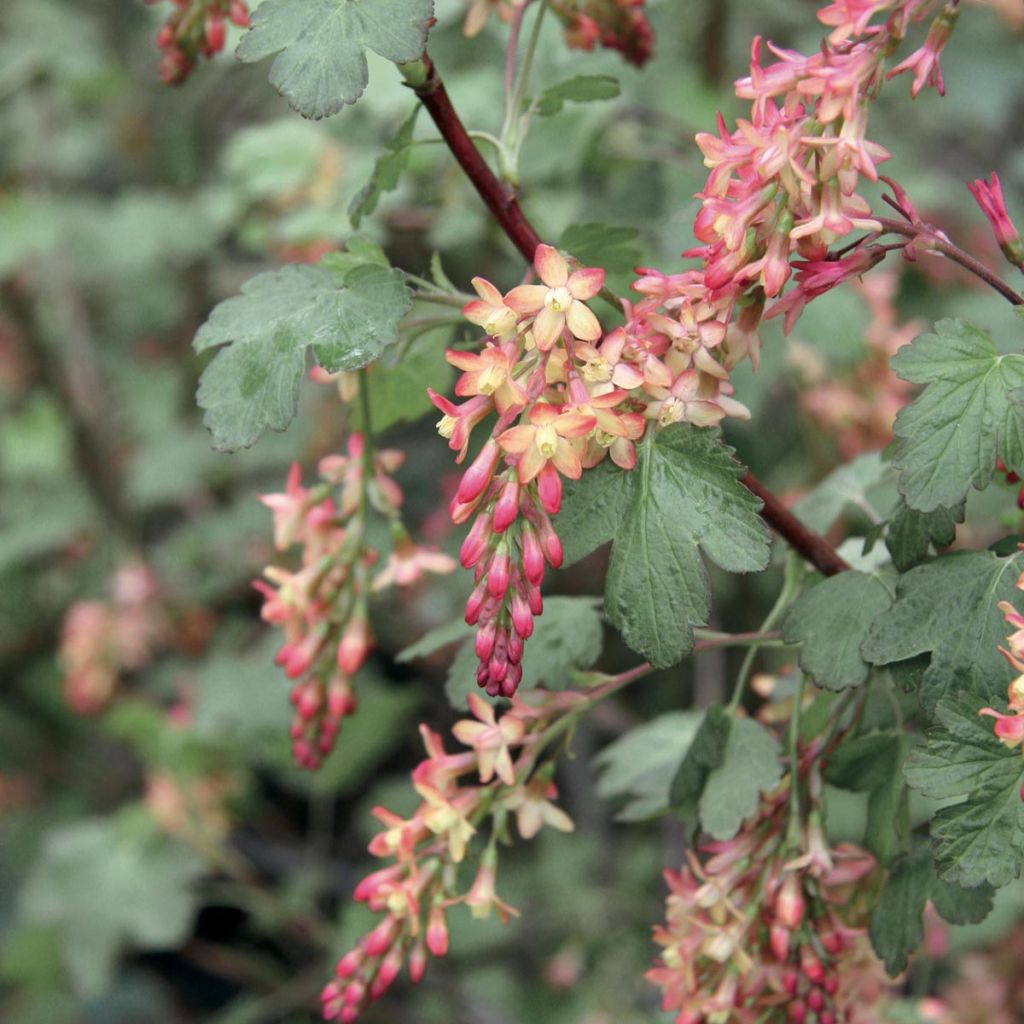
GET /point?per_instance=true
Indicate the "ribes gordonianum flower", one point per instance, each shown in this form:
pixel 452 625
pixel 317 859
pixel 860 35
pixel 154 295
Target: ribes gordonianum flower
pixel 322 606
pixel 445 855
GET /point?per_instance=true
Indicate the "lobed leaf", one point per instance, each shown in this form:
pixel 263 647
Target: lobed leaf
pixel 831 620
pixel 947 607
pixel 347 310
pixel 911 534
pixel 321 46
pixel 980 839
pixel 968 416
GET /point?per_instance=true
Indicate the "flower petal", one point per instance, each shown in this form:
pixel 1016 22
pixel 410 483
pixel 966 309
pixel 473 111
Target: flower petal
pixel 547 328
pixel 586 283
pixel 582 322
pixel 551 266
pixel 517 439
pixel 527 298
pixel 487 291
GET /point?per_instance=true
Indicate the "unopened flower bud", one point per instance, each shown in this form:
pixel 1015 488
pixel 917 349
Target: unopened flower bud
pixel 437 932
pixel 354 644
pixel 475 544
pixel 498 576
pixel 506 508
pixel 478 476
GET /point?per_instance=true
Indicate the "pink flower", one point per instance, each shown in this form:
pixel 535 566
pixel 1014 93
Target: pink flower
pixel 489 372
pixel 559 302
pixel 989 196
pixel 1008 728
pixel 490 311
pixel 408 562
pixel 547 438
pixel 458 421
pixel 289 509
pixel 483 897
pixel 491 739
pixel 924 62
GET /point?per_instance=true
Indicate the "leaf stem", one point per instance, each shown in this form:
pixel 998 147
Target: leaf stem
pixel 936 241
pixel 782 602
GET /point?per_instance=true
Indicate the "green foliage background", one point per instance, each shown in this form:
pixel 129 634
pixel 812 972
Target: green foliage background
pixel 127 211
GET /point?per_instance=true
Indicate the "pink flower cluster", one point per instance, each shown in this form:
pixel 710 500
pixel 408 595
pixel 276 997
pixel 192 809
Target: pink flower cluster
pixel 781 192
pixel 1009 728
pixel 100 640
pixel 194 28
pixel 419 886
pixel 758 932
pixel 322 605
pixel 562 400
pixel 616 24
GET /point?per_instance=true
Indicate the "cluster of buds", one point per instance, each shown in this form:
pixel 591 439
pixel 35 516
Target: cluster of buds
pixel 989 196
pixel 1013 479
pixel 783 190
pixel 497 779
pixel 563 400
pixel 1009 728
pixel 615 24
pixel 100 640
pixel 322 606
pixel 195 28
pixel 857 406
pixel 618 25
pixel 770 926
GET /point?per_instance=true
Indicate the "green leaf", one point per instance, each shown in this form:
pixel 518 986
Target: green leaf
pixel 347 317
pixel 962 906
pixel 948 607
pixel 849 486
pixel 593 509
pixel 686 498
pixel 872 763
pixel 398 388
pixel 614 248
pixel 110 885
pixel 911 534
pixel 637 768
pixel 581 89
pixel 896 926
pixel 386 171
pixel 320 45
pixel 750 766
pixel 567 636
pixel 949 438
pixel 436 639
pixel 705 753
pixel 830 620
pixel 979 840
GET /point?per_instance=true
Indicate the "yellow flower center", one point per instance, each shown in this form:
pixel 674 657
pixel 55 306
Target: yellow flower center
pixel 547 441
pixel 446 425
pixel 558 299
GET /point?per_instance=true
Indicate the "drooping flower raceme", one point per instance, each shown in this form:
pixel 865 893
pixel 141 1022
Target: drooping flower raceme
pixel 465 801
pixel 322 605
pixel 1009 728
pixel 761 930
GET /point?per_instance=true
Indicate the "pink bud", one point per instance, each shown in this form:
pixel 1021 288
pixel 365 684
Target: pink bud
pixel 811 966
pixel 789 905
pixel 481 470
pixel 238 13
pixel 353 993
pixel 797 1012
pixel 533 554
pixel 308 703
pixel 535 600
pixel 815 1000
pixel 498 576
pixel 778 940
pixel 380 938
pixel 437 932
pixel 417 962
pixel 515 648
pixel 506 508
pixel 513 677
pixel 165 37
pixel 354 645
pixel 826 1018
pixel 387 972
pixel 476 540
pixel 522 617
pixel 485 637
pixel 213 29
pixel 790 981
pixel 475 602
pixel 549 489
pixel 831 984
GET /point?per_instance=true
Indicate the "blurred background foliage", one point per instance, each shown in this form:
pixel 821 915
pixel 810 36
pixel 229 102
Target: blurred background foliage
pixel 161 859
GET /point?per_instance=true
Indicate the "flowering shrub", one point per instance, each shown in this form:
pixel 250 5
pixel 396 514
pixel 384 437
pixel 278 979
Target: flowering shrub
pixel 836 776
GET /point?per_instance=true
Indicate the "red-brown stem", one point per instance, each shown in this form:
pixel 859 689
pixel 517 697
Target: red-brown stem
pixel 811 545
pixel 937 243
pixel 502 203
pixel 499 199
